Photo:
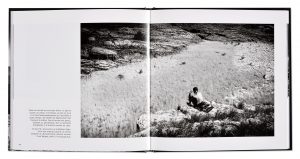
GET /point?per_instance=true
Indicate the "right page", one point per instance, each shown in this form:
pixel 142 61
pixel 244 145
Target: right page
pixel 219 79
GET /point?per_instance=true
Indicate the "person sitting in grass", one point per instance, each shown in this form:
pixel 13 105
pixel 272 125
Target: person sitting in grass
pixel 195 99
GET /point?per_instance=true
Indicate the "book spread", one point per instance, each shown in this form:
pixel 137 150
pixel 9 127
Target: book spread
pixel 149 79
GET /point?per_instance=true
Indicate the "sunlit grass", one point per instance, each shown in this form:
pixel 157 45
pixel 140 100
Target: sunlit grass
pixel 110 105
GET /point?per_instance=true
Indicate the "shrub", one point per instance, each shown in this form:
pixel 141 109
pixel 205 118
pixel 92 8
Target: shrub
pixel 255 129
pixel 139 36
pixel 266 109
pixel 199 117
pixel 241 105
pixel 205 130
pixel 194 31
pixel 120 76
pixel 221 115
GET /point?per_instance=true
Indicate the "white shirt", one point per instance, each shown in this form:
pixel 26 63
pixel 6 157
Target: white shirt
pixel 195 98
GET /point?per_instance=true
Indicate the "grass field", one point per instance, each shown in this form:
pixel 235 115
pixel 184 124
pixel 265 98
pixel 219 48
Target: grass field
pixel 110 105
pixel 220 78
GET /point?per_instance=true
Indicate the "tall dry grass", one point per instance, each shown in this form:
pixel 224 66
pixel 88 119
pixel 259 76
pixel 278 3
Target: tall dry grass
pixel 110 106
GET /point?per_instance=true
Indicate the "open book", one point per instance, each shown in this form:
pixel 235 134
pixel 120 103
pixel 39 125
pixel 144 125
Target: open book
pixel 149 79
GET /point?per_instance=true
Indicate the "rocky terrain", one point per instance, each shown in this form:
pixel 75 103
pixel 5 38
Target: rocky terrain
pixel 167 39
pixel 231 32
pixel 222 121
pixel 105 46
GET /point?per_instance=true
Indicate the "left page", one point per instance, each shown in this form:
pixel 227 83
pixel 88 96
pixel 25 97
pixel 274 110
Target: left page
pixel 78 79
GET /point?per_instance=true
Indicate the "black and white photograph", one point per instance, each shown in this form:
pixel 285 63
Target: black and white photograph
pixel 113 78
pixel 212 80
